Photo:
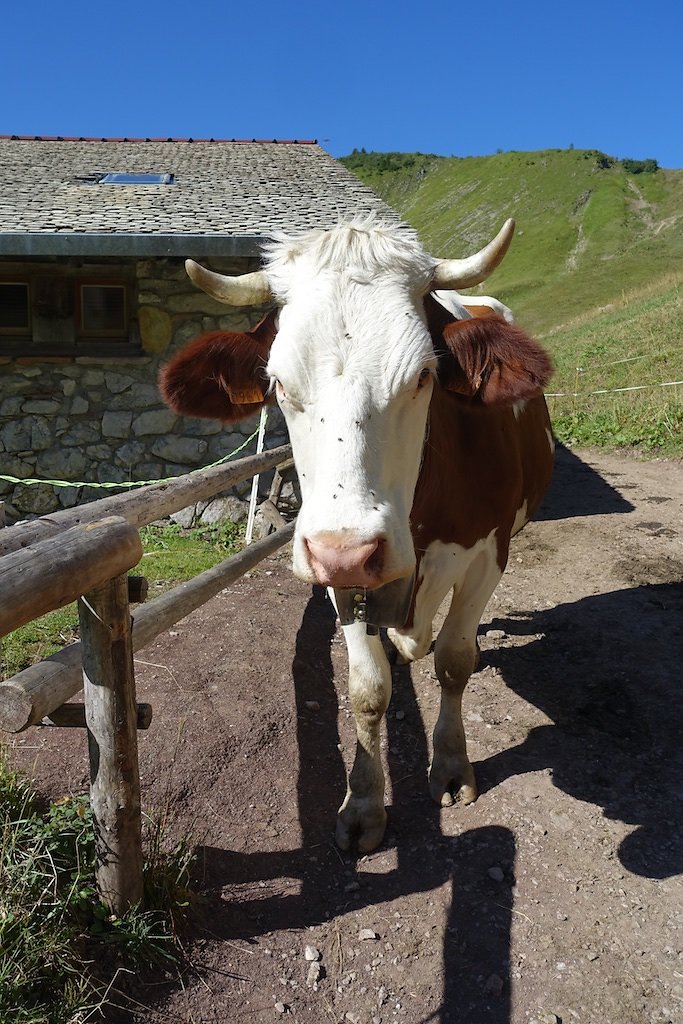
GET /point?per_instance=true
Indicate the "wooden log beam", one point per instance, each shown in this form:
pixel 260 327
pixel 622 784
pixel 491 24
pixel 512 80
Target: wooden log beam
pixel 52 573
pixel 111 718
pixel 271 515
pixel 146 504
pixel 35 692
pixel 72 716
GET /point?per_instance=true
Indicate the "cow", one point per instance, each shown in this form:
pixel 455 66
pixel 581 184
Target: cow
pixel 422 443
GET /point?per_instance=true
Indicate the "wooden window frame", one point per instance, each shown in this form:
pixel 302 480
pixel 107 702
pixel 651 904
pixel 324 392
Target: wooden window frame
pixel 85 334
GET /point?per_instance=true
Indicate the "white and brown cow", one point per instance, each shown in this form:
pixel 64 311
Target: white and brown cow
pixel 422 444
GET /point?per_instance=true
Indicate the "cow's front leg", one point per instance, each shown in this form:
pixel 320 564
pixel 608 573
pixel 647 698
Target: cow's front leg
pixel 362 815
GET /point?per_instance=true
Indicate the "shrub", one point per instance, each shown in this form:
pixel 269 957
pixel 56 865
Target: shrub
pixel 639 166
pixel 604 161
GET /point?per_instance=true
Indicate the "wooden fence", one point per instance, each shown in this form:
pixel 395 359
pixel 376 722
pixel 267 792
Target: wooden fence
pixel 84 554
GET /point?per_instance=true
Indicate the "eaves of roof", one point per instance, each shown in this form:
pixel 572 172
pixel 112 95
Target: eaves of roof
pixel 42 243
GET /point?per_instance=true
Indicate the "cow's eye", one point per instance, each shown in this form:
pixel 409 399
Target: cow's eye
pixel 291 403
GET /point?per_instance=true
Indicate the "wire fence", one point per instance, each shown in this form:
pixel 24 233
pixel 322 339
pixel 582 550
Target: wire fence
pixel 581 370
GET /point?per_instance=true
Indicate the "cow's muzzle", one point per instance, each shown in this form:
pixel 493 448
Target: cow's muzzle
pixel 340 560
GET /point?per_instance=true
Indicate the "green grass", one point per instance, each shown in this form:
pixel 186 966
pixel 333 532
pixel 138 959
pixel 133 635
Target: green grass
pixel 171 555
pixel 585 233
pixel 636 344
pixel 55 934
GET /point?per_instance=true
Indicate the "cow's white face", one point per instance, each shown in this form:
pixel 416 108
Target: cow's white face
pixel 353 369
pixel 352 362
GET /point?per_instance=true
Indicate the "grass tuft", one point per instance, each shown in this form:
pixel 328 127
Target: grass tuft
pixel 55 934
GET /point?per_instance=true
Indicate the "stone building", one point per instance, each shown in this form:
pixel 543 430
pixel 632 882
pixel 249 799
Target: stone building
pixel 94 296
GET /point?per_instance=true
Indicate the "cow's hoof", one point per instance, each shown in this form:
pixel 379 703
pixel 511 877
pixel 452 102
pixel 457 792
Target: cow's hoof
pixel 358 825
pixel 451 782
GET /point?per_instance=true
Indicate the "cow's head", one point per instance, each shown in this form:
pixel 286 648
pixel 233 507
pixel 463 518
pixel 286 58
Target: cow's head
pixel 352 354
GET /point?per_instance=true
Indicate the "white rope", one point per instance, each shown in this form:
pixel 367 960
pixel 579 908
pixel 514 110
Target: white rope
pixel 611 391
pixel 627 359
pixel 254 483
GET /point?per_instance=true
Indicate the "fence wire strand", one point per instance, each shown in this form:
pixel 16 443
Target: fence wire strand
pixel 611 391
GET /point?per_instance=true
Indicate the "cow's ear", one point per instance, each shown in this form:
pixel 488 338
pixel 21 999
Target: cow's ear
pixel 221 375
pixel 491 361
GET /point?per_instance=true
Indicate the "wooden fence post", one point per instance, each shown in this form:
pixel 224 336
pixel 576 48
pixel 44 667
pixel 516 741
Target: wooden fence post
pixel 111 717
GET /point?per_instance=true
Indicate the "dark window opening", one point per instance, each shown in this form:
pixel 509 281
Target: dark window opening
pixel 15 311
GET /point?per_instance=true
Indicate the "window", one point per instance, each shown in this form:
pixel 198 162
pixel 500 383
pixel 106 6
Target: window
pixel 102 310
pixel 69 310
pixel 120 178
pixel 15 310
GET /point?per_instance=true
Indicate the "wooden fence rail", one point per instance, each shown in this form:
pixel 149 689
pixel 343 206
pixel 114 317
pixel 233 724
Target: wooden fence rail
pixel 79 554
pixel 47 575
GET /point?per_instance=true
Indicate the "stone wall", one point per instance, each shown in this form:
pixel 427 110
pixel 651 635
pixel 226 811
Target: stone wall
pixel 101 420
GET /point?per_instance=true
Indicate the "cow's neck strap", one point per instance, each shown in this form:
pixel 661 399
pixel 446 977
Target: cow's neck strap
pixel 385 606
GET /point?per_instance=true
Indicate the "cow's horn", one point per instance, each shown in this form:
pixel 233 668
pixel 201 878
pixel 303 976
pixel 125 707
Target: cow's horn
pixel 470 271
pixel 245 290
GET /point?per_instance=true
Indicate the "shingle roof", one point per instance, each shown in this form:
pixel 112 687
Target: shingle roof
pixel 226 197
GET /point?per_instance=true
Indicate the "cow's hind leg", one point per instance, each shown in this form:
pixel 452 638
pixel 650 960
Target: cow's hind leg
pixel 451 776
pixel 362 815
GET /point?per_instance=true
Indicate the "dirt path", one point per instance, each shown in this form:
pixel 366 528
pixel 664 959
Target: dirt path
pixel 556 897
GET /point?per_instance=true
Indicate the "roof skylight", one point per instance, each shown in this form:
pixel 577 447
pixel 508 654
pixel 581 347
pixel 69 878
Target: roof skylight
pixel 125 178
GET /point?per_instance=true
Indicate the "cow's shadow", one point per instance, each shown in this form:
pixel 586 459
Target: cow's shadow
pixel 613 742
pixel 607 671
pixel 577 489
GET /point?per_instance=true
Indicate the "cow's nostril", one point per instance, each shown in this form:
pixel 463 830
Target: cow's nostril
pixel 375 563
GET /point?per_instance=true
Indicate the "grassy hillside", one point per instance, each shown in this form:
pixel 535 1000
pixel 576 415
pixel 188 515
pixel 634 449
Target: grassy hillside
pixel 595 269
pixel 587 229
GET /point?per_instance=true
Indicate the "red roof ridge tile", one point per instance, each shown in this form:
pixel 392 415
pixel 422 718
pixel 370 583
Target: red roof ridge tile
pixel 84 138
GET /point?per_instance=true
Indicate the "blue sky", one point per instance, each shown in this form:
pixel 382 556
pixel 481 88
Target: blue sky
pixel 454 78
